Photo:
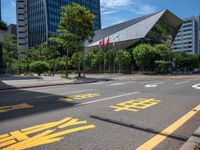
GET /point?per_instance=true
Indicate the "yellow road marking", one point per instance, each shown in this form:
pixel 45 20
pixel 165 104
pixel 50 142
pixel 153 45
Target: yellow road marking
pixel 14 107
pixel 134 105
pixel 79 97
pixel 157 139
pixel 43 134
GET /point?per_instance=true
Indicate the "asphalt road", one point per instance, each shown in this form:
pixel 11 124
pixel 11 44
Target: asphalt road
pixel 113 115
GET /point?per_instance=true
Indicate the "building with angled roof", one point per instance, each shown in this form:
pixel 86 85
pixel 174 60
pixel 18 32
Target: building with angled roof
pixel 159 27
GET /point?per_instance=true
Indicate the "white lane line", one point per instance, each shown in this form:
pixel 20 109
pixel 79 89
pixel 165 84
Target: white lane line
pixel 196 86
pixel 108 98
pixel 154 84
pixel 182 82
pixel 50 95
pixel 115 84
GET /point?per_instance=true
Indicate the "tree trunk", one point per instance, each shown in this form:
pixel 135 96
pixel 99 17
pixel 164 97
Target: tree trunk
pixel 100 67
pixel 54 66
pixel 79 70
pixel 119 68
pixel 66 67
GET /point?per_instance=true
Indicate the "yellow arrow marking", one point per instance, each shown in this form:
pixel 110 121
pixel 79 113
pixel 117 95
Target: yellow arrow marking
pixel 47 133
pixel 14 107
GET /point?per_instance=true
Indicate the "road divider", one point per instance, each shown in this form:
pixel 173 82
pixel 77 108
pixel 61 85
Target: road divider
pixel 105 99
pixel 157 139
pixel 135 105
pixel 14 107
pixel 42 134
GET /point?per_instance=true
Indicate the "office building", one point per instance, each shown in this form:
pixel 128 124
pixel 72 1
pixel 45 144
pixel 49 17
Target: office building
pixel 188 37
pixel 39 19
pixel 12 29
pixel 146 29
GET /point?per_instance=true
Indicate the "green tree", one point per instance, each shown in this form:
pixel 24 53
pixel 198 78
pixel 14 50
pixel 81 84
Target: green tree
pixel 123 58
pixel 37 53
pixel 76 61
pixel 100 59
pixel 110 58
pixel 53 50
pixel 163 58
pixel 39 67
pixel 76 25
pixel 184 61
pixel 145 56
pixel 91 59
pixel 9 50
pixel 3 26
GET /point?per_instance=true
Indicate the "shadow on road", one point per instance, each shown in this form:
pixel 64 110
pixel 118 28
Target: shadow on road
pixel 12 103
pixel 136 127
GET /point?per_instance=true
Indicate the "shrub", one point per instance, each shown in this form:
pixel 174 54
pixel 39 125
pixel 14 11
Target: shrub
pixel 39 67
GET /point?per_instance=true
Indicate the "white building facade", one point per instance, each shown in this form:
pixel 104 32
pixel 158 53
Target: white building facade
pixel 188 37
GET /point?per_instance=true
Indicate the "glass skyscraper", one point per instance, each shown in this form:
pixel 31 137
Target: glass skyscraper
pixel 39 19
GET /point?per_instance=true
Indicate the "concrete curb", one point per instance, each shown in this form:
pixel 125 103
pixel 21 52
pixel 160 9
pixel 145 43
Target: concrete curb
pixel 193 142
pixel 46 85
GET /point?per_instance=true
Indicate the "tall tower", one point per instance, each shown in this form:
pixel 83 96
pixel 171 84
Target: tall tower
pixel 39 19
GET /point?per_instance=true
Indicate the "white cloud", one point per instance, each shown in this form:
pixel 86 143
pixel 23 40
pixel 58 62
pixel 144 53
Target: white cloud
pixel 112 6
pixel 144 9
pixel 115 3
pixel 13 4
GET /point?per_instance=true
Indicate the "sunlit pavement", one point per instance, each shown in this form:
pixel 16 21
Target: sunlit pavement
pixel 118 114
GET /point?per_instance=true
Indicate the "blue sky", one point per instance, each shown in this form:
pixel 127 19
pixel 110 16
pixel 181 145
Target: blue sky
pixel 116 11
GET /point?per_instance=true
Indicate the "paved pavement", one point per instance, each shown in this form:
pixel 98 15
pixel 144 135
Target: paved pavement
pixel 115 115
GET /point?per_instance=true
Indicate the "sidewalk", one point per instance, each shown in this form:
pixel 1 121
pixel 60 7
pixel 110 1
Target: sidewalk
pixel 20 82
pixel 193 143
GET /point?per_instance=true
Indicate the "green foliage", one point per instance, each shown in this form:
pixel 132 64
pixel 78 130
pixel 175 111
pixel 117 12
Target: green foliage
pixel 77 20
pixel 110 56
pixel 145 55
pixel 9 50
pixel 18 65
pixel 164 52
pixel 3 26
pixel 76 60
pixel 91 59
pixel 38 53
pixel 186 61
pixel 76 26
pixel 60 63
pixel 160 33
pixel 100 56
pixel 39 67
pixel 123 57
pixel 162 66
